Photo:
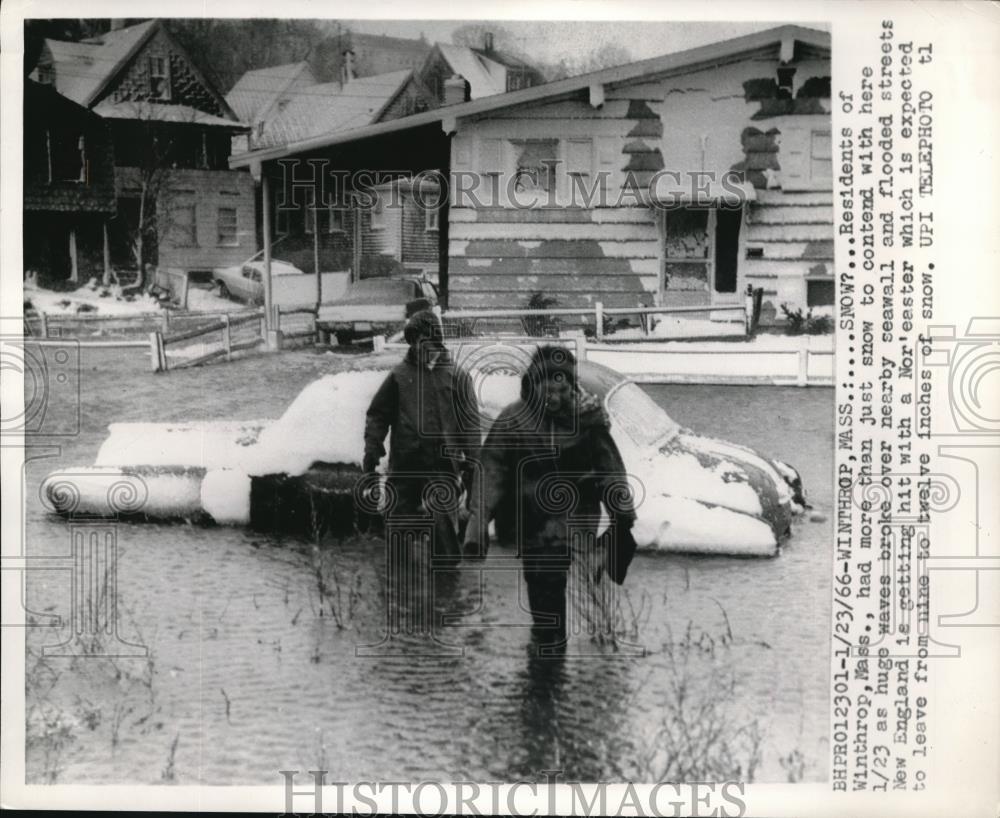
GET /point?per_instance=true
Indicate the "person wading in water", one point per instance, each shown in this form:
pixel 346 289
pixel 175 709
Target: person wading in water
pixel 555 439
pixel 429 404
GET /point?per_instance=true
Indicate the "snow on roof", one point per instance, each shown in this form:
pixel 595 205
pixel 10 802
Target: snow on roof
pixel 82 69
pixel 485 76
pixel 327 107
pixel 161 112
pixel 256 90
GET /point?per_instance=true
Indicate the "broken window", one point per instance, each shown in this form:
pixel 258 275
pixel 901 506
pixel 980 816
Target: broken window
pixel 67 157
pixel 535 166
pixel 159 78
pixel 228 235
pixel 701 248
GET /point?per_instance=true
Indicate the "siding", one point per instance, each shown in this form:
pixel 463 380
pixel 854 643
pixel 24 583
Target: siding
pixel 207 190
pixel 611 250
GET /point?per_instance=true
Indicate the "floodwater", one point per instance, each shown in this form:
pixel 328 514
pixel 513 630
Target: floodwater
pixel 268 654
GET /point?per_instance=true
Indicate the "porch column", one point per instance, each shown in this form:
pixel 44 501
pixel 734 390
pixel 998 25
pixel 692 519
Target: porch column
pixel 356 255
pixel 265 196
pixel 107 253
pixel 319 276
pixel 74 273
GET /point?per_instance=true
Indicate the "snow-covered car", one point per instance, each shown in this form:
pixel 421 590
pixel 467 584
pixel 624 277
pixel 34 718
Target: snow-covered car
pixel 693 493
pixel 245 282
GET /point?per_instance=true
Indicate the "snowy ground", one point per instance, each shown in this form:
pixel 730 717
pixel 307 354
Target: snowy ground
pixel 93 298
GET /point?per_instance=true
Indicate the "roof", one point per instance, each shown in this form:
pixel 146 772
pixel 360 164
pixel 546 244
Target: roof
pixel 83 69
pixel 485 76
pixel 257 90
pixel 160 112
pixel 329 107
pixel 676 63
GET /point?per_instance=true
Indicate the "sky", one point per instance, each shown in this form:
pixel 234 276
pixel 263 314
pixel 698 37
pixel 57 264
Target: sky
pixel 551 41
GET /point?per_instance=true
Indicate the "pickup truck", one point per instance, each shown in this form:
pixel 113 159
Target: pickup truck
pixel 373 306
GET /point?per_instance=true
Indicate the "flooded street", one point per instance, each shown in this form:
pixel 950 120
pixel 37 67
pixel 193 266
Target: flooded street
pixel 270 653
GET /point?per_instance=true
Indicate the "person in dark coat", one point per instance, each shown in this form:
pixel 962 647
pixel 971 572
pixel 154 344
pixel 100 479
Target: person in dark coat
pixel 549 461
pixel 430 406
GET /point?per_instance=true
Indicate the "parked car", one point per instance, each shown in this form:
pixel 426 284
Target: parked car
pixel 692 493
pixel 374 306
pixel 245 282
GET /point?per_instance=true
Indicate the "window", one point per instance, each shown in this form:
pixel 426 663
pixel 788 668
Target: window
pixel 535 165
pixel 514 81
pixel 338 219
pixel 281 221
pixel 701 246
pixel 820 292
pixel 67 157
pixel 579 168
pixel 46 74
pixel 820 155
pixel 159 78
pixel 185 225
pixel 228 224
pixel 379 221
pixel 431 218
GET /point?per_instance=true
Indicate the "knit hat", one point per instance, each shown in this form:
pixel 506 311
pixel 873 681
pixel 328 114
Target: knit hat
pixel 424 325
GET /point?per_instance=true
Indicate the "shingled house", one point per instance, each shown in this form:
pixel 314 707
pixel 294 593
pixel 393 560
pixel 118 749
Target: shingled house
pixel 705 171
pixel 69 187
pixel 285 104
pixel 171 131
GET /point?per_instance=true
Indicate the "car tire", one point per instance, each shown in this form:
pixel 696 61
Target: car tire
pixel 224 291
pixel 344 337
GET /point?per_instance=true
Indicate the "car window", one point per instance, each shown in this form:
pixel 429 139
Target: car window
pixel 247 270
pixel 639 416
pixel 255 275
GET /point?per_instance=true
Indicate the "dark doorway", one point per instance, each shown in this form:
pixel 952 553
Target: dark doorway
pixel 727 243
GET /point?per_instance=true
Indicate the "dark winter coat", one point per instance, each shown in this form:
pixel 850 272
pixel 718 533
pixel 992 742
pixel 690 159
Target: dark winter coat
pixel 540 475
pixel 432 413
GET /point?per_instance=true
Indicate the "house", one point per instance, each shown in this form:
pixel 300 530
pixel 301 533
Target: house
pixel 677 180
pixel 178 203
pixel 381 54
pixel 69 187
pixel 486 71
pixel 285 104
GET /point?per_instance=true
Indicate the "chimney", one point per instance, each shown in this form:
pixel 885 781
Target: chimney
pixel 456 90
pixel 488 42
pixel 347 69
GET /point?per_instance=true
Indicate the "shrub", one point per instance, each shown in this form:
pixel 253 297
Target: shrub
pixel 808 324
pixel 541 325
